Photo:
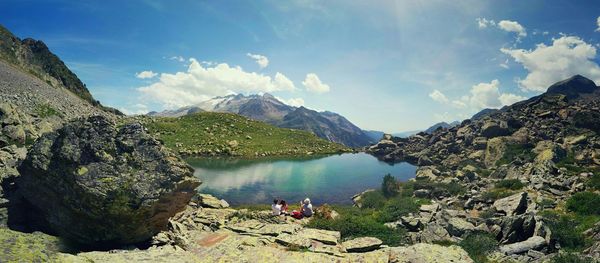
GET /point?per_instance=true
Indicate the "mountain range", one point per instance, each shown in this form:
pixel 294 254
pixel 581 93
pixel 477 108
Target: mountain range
pixel 267 108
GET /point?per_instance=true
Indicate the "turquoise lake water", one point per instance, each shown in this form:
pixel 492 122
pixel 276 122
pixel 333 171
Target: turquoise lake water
pixel 330 179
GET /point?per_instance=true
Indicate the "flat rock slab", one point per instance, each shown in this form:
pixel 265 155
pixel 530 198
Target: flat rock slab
pixel 256 227
pixel 524 246
pixel 324 236
pixel 362 244
pixel 429 253
pixel 293 241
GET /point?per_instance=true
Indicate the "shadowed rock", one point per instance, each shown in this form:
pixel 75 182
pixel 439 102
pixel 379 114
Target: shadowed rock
pixel 99 184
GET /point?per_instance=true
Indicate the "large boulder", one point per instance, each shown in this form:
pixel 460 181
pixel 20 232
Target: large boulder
pixel 491 129
pixel 97 183
pixel 512 205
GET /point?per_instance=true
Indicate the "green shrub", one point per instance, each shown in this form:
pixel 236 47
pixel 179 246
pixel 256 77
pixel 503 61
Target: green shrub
pixel 45 110
pixel 398 207
pixel 512 184
pixel 354 222
pixel 584 203
pixel 389 186
pixel 516 151
pixel 566 230
pixel 594 182
pixel 373 199
pixel 479 245
pixel 497 193
pixel 570 258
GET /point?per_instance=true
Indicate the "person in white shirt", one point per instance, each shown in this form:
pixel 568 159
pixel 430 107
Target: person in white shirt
pixel 276 207
pixel 307 209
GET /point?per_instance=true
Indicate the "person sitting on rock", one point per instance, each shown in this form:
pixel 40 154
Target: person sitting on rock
pixel 306 210
pixel 284 207
pixel 276 207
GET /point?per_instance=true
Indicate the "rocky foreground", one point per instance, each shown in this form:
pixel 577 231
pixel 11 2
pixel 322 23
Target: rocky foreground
pixel 203 233
pixel 513 171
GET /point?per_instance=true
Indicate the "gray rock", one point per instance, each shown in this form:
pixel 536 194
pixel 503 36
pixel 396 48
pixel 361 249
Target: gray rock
pixel 493 129
pixel 458 227
pixel 534 242
pixel 362 244
pixel 209 201
pixel 513 205
pixel 96 183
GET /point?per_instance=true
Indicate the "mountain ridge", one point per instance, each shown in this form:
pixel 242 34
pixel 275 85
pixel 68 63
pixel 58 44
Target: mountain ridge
pixel 269 109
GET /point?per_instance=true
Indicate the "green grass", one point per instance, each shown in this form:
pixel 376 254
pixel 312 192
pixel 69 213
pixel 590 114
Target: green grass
pixel 479 246
pixel 568 228
pixel 584 203
pixel 226 134
pixel 377 209
pixel 356 222
pixel 45 110
pixel 570 258
pixel 510 184
pixel 497 193
pixel 514 151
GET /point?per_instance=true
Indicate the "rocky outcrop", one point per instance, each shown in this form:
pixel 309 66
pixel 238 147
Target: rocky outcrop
pixel 209 201
pixel 362 244
pixel 98 183
pixel 512 205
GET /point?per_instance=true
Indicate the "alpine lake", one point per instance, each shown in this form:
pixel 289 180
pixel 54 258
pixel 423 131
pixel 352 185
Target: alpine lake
pixel 331 179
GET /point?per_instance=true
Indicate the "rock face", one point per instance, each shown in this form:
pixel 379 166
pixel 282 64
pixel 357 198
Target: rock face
pixel 96 183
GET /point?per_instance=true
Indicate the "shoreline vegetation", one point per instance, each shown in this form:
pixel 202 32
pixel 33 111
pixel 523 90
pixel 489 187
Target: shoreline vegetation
pixel 216 134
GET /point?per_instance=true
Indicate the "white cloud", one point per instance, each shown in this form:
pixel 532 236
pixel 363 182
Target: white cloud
pixel 512 26
pixel 200 83
pixel 283 82
pixel 509 99
pixel 484 23
pixel 136 109
pixel 312 83
pixel 598 24
pixel 261 60
pixel 438 96
pixel 567 56
pixel 145 74
pixel 481 96
pixel 295 102
pixel 178 58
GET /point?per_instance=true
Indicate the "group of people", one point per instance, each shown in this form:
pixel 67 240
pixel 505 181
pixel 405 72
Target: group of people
pixel 280 207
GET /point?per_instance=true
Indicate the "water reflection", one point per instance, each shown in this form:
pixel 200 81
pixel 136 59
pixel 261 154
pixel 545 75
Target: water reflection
pixel 331 179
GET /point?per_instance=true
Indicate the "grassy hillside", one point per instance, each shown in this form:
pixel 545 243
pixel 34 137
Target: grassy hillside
pixel 212 133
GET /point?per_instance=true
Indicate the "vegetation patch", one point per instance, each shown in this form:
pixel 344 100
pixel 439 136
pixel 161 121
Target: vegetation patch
pixel 584 203
pixel 226 134
pixel 45 111
pixel 497 193
pixel 568 228
pixel 517 151
pixel 479 245
pixel 571 258
pixel 510 184
pixel 376 210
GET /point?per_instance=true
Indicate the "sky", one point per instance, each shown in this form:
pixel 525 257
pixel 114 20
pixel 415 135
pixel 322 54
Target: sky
pixel 385 65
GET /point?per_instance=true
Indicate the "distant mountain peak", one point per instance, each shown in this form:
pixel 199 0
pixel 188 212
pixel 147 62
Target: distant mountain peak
pixel 573 86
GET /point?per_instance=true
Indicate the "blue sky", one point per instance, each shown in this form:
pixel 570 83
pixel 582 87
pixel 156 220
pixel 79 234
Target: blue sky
pixel 385 65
